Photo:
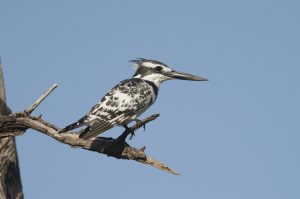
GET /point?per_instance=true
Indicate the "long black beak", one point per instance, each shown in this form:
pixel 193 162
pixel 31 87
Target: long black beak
pixel 185 76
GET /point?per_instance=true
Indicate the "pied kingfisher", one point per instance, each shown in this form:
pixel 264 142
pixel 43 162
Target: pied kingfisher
pixel 129 99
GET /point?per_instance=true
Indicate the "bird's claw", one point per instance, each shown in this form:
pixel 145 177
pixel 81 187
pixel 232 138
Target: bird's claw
pixel 138 121
pixel 131 135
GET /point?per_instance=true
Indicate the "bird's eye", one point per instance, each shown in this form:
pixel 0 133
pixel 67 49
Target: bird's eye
pixel 158 68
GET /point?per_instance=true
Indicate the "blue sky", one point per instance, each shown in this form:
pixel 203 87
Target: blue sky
pixel 236 136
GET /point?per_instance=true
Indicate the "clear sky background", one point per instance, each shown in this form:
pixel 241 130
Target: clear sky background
pixel 236 136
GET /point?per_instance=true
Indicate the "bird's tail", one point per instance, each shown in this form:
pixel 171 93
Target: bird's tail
pixel 72 126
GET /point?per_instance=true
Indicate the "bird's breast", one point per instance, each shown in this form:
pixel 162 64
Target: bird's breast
pixel 132 96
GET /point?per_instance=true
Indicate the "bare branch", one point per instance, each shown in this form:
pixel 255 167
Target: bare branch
pixel 157 164
pixel 38 101
pixel 117 148
pixel 17 124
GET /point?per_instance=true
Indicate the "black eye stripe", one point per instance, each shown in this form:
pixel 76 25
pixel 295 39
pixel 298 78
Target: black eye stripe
pixel 158 68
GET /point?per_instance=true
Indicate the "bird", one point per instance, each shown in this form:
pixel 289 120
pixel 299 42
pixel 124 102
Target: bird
pixel 130 98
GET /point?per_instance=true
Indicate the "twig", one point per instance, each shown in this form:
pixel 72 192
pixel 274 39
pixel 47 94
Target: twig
pixel 38 101
pixel 157 164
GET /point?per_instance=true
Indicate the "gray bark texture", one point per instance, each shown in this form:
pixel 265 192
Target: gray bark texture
pixel 10 185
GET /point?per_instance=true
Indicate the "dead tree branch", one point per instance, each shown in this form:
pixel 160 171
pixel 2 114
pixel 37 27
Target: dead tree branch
pixel 16 124
pixel 38 101
pixel 10 178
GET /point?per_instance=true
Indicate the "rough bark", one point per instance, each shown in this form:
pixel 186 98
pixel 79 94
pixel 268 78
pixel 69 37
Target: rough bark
pixel 10 185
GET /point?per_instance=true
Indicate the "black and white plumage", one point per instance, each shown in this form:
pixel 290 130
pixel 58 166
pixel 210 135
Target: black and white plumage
pixel 129 99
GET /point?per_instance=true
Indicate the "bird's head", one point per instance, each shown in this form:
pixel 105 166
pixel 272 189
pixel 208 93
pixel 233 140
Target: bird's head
pixel 157 72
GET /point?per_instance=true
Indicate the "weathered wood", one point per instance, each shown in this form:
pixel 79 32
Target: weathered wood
pixel 38 101
pixel 16 124
pixel 10 180
pixel 117 148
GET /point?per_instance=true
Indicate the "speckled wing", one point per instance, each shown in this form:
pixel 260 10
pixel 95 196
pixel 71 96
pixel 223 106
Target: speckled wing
pixel 124 103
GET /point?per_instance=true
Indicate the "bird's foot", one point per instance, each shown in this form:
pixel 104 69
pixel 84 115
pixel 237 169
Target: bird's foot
pixel 131 135
pixel 138 121
pixel 131 132
pixel 126 127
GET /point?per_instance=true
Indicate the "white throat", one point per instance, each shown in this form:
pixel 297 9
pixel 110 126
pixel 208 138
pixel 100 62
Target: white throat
pixel 156 78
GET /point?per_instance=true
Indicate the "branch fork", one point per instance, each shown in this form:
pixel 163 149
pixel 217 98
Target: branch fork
pixel 16 124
